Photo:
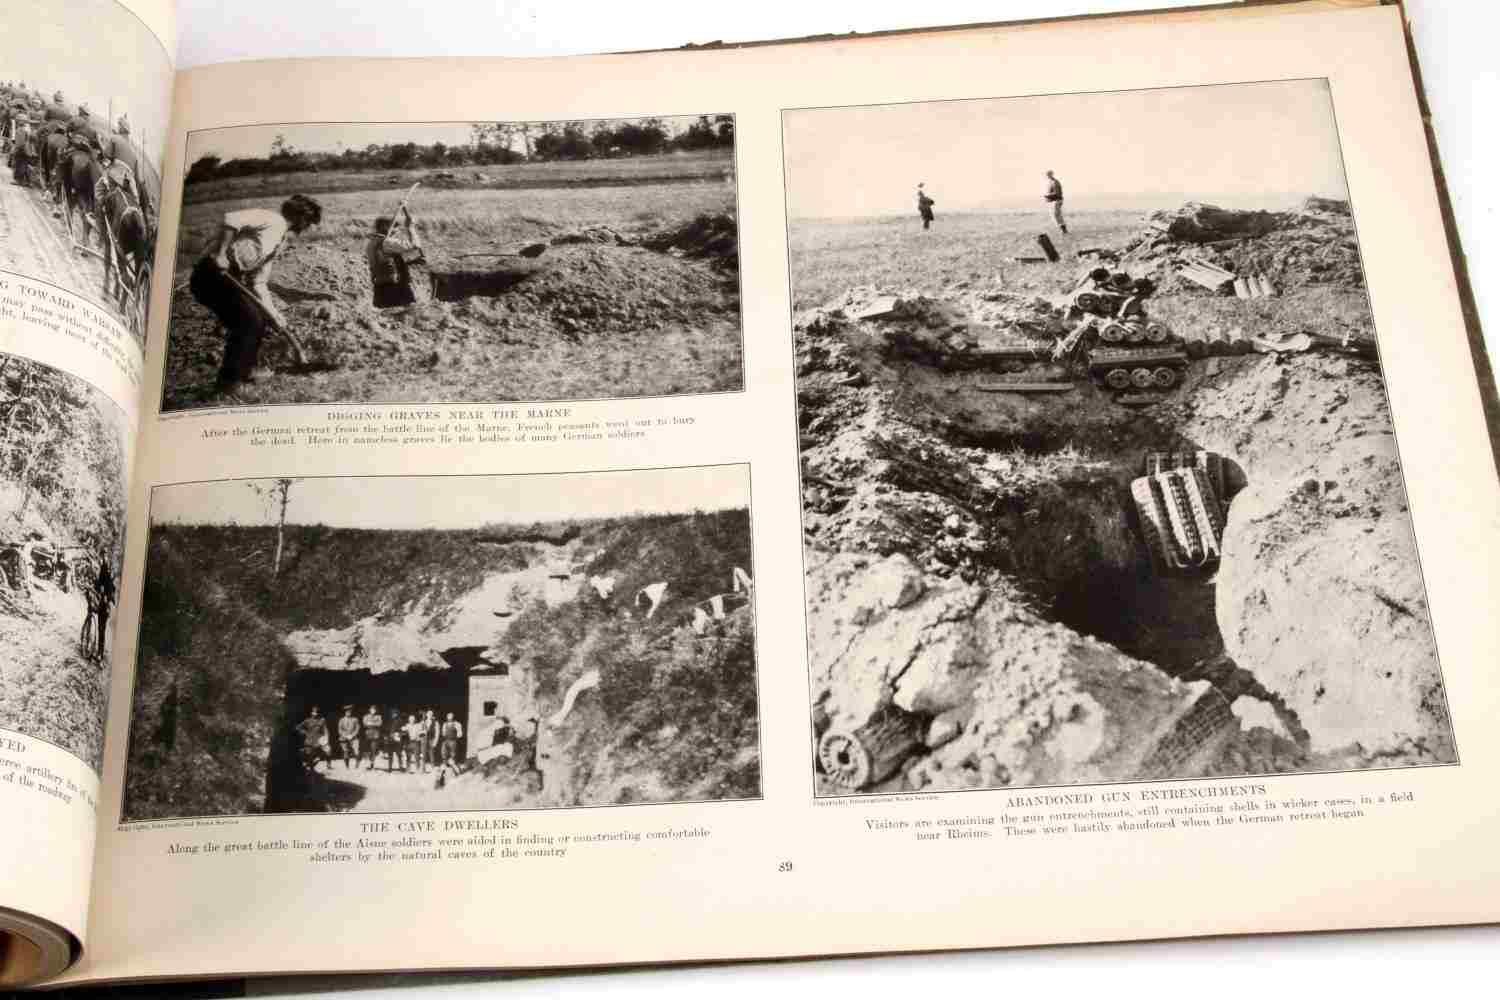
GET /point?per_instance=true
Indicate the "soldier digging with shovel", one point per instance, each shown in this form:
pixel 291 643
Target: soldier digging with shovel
pixel 233 281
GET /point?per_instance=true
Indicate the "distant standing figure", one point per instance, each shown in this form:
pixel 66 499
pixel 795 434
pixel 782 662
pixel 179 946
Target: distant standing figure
pixel 924 207
pixel 390 252
pixel 373 726
pixel 453 731
pixel 1055 196
pixel 349 737
pixel 233 280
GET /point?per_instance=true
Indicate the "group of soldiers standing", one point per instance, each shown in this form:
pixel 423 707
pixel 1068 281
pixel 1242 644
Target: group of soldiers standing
pixel 421 743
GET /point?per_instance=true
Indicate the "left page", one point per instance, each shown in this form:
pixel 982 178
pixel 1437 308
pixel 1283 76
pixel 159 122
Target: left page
pixel 84 91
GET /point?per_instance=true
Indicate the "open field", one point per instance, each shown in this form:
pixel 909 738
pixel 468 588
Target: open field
pixel 602 316
pixel 965 251
pixel 898 253
pixel 670 168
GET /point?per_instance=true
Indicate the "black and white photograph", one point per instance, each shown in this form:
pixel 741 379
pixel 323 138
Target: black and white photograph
pixel 79 185
pixel 456 262
pixel 398 644
pixel 1099 476
pixel 63 465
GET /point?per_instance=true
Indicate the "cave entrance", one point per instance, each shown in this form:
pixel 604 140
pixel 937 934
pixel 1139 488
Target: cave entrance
pixel 1165 620
pixel 1089 567
pixel 396 694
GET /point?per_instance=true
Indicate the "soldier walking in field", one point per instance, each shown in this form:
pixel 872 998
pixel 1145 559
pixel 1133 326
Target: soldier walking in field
pixel 924 207
pixel 233 281
pixel 1054 196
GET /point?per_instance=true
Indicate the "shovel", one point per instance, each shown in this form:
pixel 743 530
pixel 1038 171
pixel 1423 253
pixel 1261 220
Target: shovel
pixel 298 351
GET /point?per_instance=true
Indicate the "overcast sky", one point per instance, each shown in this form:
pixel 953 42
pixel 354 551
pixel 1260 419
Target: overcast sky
pixel 255 140
pixel 1240 143
pixel 94 52
pixel 458 501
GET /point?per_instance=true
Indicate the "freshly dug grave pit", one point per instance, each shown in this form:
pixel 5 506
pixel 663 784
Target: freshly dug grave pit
pixel 598 315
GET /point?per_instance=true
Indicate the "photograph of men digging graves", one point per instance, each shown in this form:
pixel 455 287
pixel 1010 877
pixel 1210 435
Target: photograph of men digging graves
pixel 62 518
pixel 79 185
pixel 452 262
pixel 1100 481
pixel 400 644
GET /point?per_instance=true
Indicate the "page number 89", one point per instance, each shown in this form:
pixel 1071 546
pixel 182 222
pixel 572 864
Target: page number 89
pixel 784 866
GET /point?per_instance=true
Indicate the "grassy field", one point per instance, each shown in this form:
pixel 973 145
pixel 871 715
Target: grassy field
pixel 464 216
pixel 828 256
pixel 895 256
pixel 708 165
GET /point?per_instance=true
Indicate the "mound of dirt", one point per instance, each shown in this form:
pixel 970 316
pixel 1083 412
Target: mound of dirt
pixel 603 235
pixel 1331 206
pixel 1315 246
pixel 1323 523
pixel 1361 674
pixel 712 236
pixel 1000 696
pixel 1196 222
pixel 578 292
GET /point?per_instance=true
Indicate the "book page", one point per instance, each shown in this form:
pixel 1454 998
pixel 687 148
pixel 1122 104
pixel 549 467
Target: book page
pixel 83 108
pixel 623 522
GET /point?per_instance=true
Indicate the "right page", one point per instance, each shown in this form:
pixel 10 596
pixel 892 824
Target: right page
pixel 644 508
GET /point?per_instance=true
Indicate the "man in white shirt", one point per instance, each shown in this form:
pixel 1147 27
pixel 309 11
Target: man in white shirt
pixel 1054 197
pixel 233 280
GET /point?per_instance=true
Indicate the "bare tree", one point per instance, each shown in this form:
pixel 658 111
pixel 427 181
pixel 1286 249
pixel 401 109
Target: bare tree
pixel 278 493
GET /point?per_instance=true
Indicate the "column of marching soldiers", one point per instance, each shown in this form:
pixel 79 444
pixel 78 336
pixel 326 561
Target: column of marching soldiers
pixel 39 139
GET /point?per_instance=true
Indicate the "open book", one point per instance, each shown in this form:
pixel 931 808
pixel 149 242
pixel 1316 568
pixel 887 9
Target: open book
pixel 646 508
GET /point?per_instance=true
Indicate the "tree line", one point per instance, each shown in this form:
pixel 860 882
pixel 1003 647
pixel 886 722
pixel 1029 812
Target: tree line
pixel 491 143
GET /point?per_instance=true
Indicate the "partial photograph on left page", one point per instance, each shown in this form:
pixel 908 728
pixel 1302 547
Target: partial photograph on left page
pixel 81 181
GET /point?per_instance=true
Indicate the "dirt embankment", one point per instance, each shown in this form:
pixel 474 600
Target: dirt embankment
pixel 981 606
pixel 598 314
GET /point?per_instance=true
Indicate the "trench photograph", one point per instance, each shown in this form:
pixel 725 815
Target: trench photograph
pixel 63 467
pixel 1099 477
pixel 80 184
pixel 456 262
pixel 399 644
